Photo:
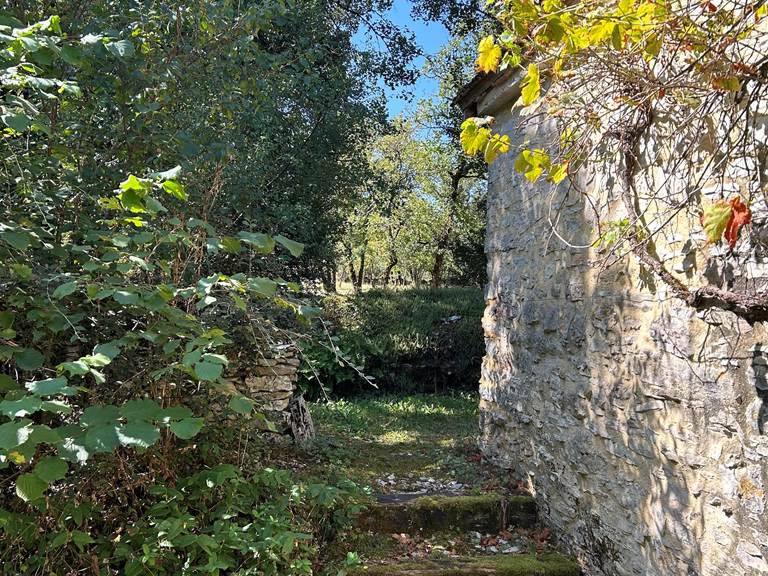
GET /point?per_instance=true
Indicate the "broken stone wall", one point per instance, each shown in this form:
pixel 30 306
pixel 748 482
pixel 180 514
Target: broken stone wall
pixel 268 376
pixel 637 422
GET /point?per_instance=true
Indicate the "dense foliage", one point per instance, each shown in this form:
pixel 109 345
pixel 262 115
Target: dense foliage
pixel 156 159
pixel 421 219
pixel 407 340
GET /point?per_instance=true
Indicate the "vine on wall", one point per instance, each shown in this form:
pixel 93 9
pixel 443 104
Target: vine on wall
pixel 648 88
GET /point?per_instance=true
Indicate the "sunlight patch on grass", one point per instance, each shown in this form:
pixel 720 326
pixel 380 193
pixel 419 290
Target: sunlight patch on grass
pixel 396 437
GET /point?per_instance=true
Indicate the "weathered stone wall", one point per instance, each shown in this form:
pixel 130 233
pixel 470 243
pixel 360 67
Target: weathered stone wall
pixel 267 376
pixel 637 422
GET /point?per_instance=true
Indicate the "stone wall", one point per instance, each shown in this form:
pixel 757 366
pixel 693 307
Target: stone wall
pixel 637 422
pixel 267 376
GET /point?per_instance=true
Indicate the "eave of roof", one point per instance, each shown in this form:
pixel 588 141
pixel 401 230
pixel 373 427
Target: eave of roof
pixel 479 87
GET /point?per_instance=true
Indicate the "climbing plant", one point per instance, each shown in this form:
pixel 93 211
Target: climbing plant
pixel 642 85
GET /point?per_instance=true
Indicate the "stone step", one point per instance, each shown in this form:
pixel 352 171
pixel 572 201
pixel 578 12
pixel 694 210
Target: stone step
pixel 417 514
pixel 503 565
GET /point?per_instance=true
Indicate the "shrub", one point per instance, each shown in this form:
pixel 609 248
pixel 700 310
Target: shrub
pixel 216 521
pixel 410 340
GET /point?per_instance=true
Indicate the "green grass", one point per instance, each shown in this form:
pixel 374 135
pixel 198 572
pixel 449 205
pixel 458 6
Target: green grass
pixel 369 438
pixel 416 414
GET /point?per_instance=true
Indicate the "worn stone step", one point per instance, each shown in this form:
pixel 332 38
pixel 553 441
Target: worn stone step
pixel 503 565
pixel 432 514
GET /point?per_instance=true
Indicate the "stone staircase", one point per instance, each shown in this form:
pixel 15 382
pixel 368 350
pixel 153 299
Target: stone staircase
pixel 450 517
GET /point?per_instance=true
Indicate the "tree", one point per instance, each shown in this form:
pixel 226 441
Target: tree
pixel 452 67
pixel 153 172
pixel 409 217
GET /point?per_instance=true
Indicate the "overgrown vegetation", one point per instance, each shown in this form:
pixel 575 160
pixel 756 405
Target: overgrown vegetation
pixel 403 341
pixel 156 159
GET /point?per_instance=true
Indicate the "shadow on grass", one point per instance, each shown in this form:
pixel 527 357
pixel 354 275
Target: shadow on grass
pixel 371 439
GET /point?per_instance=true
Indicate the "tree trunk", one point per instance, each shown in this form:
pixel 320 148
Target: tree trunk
pixel 437 268
pixel 358 281
pixel 390 266
pixel 329 278
pixel 445 235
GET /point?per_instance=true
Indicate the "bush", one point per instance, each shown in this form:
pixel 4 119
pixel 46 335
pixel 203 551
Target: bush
pixel 216 521
pixel 424 340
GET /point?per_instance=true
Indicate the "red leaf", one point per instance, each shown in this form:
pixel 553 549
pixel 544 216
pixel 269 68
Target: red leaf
pixel 740 215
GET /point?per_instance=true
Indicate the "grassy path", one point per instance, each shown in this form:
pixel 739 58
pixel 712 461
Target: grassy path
pixel 423 443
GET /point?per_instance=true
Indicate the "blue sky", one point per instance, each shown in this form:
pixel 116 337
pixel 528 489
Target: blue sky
pixel 430 37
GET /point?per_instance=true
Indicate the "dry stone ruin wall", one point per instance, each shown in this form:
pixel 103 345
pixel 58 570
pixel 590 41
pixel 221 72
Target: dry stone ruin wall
pixel 637 422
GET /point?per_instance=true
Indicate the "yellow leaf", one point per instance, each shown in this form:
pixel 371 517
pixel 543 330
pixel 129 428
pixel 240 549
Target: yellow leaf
pixel 558 172
pixel 531 163
pixel 488 55
pixel 468 132
pixel 497 146
pixel 715 219
pixel 473 137
pixel 531 85
pixel 17 457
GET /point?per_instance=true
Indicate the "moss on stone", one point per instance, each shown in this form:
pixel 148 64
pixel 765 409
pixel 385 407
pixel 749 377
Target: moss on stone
pixel 506 565
pixel 432 514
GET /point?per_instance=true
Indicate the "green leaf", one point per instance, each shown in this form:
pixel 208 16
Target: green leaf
pixel 231 245
pixel 125 298
pixel 72 446
pixel 76 368
pixel 19 122
pixel 21 270
pixel 262 242
pixel 109 349
pixel 19 240
pixel 102 438
pixel 13 434
pixel 21 407
pixel 295 248
pixel 531 87
pixel 56 407
pixel 187 428
pixel 137 184
pixel 174 189
pixel 80 539
pixel 29 487
pixel 51 469
pixel 6 319
pixel 100 414
pixel 71 55
pixel 139 434
pixel 263 286
pixel 208 371
pixel 50 387
pixel 170 174
pixel 166 415
pixel 29 359
pixel 121 48
pixel 241 405
pixel 7 383
pixel 64 290
pixel 144 409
